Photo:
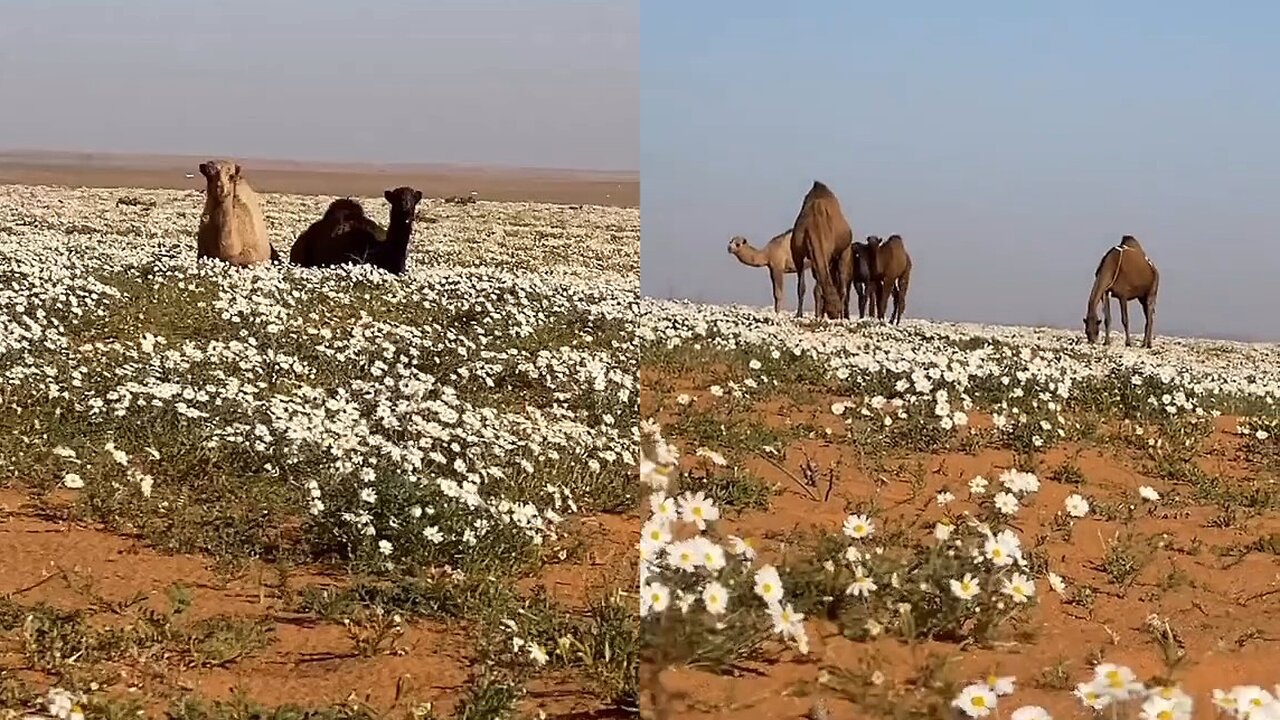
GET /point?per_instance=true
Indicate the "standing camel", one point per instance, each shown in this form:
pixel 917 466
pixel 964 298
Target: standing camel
pixel 1138 279
pixel 776 255
pixel 890 275
pixel 820 235
pixel 855 268
pixel 232 227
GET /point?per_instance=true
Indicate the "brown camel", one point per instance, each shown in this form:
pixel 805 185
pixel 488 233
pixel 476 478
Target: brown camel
pixel 890 273
pixel 776 255
pixel 232 228
pixel 1125 273
pixel 820 235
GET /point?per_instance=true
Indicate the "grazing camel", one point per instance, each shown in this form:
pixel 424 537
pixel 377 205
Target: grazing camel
pixel 1125 273
pixel 820 235
pixel 776 255
pixel 345 235
pixel 890 275
pixel 232 228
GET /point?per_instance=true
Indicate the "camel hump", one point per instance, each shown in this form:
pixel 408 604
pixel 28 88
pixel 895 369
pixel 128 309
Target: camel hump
pixel 820 189
pixel 344 207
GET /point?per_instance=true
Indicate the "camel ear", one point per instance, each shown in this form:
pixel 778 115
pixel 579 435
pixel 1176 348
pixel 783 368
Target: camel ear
pixel 387 194
pixel 235 171
pixel 417 196
pixel 206 169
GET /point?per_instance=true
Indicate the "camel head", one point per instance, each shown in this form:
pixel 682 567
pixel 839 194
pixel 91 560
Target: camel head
pixel 1091 329
pixel 736 243
pixel 220 177
pixel 403 200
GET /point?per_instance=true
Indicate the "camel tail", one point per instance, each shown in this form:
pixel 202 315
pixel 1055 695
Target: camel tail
pixel 275 256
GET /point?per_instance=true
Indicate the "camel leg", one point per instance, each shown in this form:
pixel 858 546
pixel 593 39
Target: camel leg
pixel 861 289
pixel 882 301
pixel 1149 315
pixel 900 297
pixel 775 276
pixel 797 258
pixel 1106 320
pixel 1124 320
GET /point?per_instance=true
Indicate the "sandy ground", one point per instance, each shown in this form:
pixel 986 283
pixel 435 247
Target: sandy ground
pixel 570 187
pixel 1221 601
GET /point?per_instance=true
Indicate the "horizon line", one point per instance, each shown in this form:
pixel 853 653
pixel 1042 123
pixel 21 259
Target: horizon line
pixel 36 154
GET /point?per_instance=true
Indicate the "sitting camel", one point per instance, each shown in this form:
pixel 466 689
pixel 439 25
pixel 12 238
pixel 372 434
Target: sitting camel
pixel 345 235
pixel 1137 279
pixel 232 228
pixel 820 236
pixel 326 241
pixel 776 255
pixel 890 273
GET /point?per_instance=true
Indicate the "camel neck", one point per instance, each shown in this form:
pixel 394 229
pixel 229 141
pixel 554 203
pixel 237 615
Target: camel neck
pixel 752 257
pixel 399 230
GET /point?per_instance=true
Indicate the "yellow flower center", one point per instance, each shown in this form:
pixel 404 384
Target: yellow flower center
pixel 766 588
pixel 979 701
pixel 1164 715
pixel 1256 702
pixel 697 512
pixel 997 553
pixel 655 598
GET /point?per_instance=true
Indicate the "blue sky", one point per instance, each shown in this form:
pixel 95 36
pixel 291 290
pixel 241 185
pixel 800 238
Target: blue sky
pixel 1009 143
pixel 547 83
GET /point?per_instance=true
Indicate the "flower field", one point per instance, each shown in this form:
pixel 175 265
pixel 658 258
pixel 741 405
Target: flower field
pixel 936 520
pixel 231 489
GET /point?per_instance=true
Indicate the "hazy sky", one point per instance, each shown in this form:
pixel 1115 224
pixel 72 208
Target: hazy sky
pixel 1009 143
pixel 548 83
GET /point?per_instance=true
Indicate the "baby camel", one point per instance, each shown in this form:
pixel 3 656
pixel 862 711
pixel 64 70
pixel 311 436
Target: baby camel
pixel 1125 273
pixel 776 255
pixel 232 228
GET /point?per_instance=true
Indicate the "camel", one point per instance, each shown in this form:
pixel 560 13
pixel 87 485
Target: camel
pixel 345 235
pixel 776 255
pixel 890 274
pixel 1124 273
pixel 819 236
pixel 232 228
pixel 342 232
pixel 855 268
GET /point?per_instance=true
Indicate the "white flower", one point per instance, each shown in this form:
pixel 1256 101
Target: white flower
pixel 1091 696
pixel 978 485
pixel 1116 681
pixel 1001 685
pixel 684 555
pixel 1030 712
pixel 1019 587
pixel 976 700
pixel 768 585
pixel 965 588
pixel 838 408
pixel 999 550
pixel 945 498
pixel 742 548
pixel 715 597
pixel 663 507
pixel 1006 503
pixel 858 526
pixel 537 654
pixel 384 547
pixel 1057 583
pixel 862 586
pixel 712 455
pixel 684 399
pixel 73 481
pixel 654 598
pixel 1076 506
pixel 942 531
pixel 698 510
pixel 1149 493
